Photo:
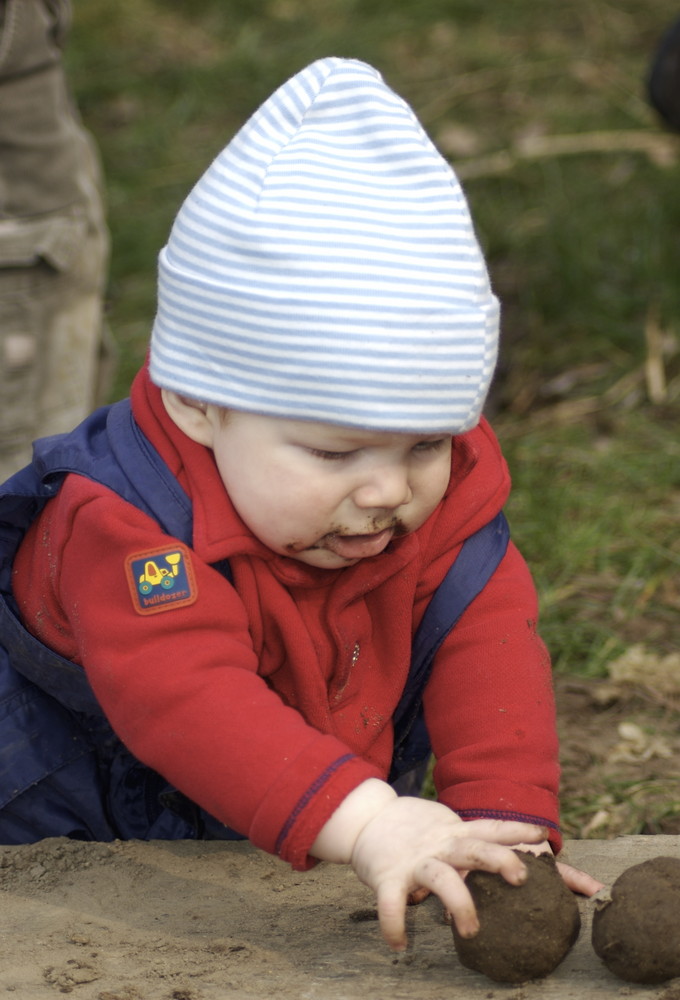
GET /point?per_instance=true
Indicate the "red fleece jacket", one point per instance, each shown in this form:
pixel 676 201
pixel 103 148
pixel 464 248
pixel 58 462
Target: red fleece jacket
pixel 268 701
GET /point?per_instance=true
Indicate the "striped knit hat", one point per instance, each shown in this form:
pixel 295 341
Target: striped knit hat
pixel 325 267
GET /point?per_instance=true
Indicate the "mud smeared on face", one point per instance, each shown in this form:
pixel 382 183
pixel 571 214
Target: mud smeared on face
pixel 374 527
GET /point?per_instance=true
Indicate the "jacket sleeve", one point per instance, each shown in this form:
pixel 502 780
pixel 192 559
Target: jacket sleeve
pixel 499 758
pixel 180 687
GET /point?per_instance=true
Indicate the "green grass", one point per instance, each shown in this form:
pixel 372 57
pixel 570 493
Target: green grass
pixel 583 246
pixel 595 512
pixel 650 806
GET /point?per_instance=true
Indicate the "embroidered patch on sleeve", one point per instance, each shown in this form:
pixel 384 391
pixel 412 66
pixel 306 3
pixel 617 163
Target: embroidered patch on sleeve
pixel 161 580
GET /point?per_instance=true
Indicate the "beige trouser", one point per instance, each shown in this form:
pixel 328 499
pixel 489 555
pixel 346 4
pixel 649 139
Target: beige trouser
pixel 53 238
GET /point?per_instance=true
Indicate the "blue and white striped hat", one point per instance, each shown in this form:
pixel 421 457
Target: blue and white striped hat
pixel 325 267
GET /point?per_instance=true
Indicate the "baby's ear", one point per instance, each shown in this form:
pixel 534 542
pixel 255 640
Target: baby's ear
pixel 190 415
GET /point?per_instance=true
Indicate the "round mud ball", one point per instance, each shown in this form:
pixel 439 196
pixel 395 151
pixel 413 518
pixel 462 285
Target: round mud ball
pixel 524 931
pixel 636 932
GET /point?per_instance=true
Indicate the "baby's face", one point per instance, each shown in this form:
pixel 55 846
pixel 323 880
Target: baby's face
pixel 325 495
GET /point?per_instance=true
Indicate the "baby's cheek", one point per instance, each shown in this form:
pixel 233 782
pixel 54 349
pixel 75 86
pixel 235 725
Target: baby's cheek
pixel 429 503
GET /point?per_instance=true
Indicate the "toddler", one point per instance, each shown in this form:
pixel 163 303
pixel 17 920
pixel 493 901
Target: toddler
pixel 254 598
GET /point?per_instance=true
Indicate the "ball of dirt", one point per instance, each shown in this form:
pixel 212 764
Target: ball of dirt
pixel 526 930
pixel 636 932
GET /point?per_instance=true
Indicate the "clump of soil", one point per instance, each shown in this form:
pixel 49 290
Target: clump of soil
pixel 525 931
pixel 636 932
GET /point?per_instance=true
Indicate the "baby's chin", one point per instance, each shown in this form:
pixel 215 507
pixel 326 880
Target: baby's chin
pixel 321 558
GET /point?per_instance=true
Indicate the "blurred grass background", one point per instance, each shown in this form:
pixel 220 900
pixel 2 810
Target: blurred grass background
pixel 575 188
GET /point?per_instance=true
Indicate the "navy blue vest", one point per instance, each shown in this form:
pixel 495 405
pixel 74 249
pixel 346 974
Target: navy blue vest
pixel 63 772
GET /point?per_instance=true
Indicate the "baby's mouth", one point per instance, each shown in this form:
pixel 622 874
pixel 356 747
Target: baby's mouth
pixel 358 546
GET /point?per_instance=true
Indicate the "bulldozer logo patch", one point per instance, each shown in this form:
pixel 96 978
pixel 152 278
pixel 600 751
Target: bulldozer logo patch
pixel 161 580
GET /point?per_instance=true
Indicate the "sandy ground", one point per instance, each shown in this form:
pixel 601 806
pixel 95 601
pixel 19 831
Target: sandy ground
pixel 198 921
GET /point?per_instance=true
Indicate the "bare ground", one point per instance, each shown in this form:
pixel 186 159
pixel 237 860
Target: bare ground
pixel 620 746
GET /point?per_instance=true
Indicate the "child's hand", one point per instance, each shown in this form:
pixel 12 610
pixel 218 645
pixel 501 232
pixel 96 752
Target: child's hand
pixel 415 843
pixel 400 845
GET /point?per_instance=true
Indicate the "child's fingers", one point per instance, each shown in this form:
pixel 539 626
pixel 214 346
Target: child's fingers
pixel 438 877
pixel 445 882
pixel 579 881
pixel 391 900
pixel 504 831
pixel 466 855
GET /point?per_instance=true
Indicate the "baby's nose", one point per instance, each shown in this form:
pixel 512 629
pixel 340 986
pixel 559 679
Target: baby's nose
pixel 387 488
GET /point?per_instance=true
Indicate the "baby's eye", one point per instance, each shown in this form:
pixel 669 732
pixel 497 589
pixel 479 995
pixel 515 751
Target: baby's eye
pixel 430 445
pixel 329 456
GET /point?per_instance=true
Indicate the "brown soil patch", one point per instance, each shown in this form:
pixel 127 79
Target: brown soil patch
pixel 620 752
